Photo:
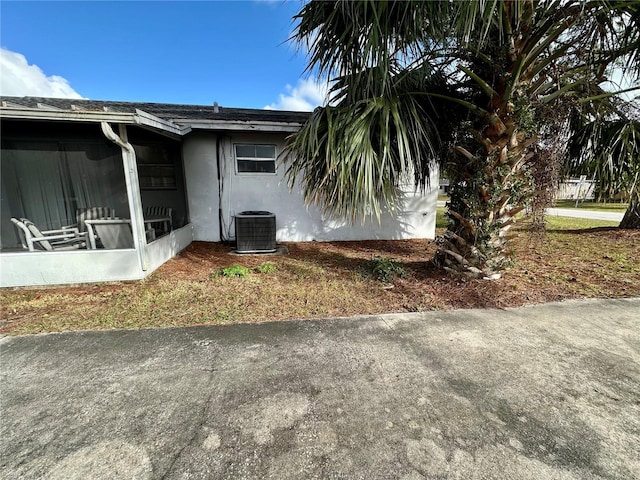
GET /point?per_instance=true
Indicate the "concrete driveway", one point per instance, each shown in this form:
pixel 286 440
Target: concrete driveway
pixel 545 392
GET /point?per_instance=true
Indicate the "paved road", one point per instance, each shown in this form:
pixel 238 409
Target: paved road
pixel 576 213
pixel 590 214
pixel 546 392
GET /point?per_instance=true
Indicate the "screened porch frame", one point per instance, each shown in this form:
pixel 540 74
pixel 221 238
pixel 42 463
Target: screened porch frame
pixel 86 266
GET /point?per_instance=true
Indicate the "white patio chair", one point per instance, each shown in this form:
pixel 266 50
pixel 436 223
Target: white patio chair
pixel 163 214
pixel 92 213
pixel 110 234
pixel 34 239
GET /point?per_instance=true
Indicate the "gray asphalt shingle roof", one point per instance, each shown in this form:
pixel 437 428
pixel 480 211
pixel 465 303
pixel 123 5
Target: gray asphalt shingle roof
pixel 167 111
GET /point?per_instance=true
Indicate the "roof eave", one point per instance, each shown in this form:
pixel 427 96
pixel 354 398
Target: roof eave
pixel 140 117
pixel 74 116
pixel 149 120
pixel 244 126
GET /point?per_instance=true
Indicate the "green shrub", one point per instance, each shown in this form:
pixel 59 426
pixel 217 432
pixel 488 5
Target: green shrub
pixel 385 269
pixel 266 267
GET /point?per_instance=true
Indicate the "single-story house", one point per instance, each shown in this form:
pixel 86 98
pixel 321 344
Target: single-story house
pixel 172 173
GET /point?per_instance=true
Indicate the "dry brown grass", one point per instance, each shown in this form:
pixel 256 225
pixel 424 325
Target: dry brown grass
pixel 330 279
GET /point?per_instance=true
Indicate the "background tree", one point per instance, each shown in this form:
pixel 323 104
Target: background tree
pixel 608 150
pixel 503 68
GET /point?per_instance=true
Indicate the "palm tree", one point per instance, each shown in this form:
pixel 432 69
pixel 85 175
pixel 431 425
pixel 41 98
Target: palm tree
pixel 613 158
pixel 510 72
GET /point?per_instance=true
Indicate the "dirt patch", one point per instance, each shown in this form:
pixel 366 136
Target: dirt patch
pixel 331 279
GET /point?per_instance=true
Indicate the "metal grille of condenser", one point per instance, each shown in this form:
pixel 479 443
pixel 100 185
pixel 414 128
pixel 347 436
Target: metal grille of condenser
pixel 255 232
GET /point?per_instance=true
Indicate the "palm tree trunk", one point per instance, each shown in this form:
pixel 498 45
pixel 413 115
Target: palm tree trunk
pixel 631 219
pixel 487 192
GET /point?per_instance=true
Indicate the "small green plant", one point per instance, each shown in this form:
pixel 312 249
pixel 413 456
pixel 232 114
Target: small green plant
pixel 385 269
pixel 232 271
pixel 266 267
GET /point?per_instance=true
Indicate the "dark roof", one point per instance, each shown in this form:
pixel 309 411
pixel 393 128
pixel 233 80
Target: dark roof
pixel 167 111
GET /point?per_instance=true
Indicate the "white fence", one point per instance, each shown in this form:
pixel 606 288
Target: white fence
pixel 576 189
pixel 571 189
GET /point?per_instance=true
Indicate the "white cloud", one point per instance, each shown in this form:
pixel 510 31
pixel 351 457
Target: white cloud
pixel 19 79
pixel 304 97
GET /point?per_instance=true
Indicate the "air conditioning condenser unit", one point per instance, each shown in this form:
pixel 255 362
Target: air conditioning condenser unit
pixel 255 232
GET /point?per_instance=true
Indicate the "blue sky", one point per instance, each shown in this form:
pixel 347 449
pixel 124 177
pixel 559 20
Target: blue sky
pixel 232 52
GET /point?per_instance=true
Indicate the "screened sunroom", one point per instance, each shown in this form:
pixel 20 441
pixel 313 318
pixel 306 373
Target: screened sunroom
pixel 88 196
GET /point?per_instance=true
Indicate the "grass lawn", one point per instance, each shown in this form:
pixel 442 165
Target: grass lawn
pixel 588 205
pixel 441 219
pixel 317 280
pixel 559 224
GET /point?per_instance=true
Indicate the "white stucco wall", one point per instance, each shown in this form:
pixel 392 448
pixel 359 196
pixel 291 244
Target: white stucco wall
pixel 18 269
pixel 297 222
pixel 58 268
pixel 167 246
pixel 201 179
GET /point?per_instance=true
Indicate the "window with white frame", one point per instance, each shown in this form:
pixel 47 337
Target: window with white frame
pixel 255 158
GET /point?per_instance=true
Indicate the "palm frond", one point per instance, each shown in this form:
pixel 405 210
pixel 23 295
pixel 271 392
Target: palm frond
pixel 354 158
pixel 608 151
pixel 521 63
pixel 347 36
